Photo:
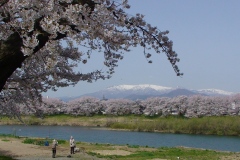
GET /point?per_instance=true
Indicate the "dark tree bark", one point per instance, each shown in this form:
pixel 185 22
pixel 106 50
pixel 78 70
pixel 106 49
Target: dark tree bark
pixel 11 57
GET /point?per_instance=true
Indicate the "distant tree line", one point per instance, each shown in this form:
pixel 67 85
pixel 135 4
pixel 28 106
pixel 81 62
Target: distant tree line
pixel 193 106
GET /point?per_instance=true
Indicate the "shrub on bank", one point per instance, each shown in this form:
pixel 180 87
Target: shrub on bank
pixel 206 125
pixel 40 142
pixel 34 141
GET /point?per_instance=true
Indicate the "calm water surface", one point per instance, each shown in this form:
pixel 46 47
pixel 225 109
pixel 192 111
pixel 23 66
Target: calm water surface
pixel 101 135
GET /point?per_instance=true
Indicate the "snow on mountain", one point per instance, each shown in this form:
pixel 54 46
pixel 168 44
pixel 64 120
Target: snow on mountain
pixel 215 92
pixel 148 90
pixel 144 91
pixel 127 91
pixel 139 87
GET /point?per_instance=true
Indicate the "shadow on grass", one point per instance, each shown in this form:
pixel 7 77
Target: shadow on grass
pixel 6 155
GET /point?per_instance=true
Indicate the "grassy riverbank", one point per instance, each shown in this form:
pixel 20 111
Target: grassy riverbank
pixel 226 125
pixel 104 151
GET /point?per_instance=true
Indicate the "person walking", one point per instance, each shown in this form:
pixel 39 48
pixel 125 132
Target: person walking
pixel 54 148
pixel 72 145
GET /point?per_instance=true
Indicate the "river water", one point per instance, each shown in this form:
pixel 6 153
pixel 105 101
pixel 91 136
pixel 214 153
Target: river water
pixel 103 135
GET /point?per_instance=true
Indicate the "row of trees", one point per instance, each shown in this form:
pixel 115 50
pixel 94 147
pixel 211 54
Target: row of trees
pixel 193 106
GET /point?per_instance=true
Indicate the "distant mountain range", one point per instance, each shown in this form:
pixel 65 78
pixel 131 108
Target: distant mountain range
pixel 145 91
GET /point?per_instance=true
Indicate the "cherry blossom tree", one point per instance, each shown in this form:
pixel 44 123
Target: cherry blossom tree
pixel 118 106
pixel 87 106
pixel 33 58
pixel 52 106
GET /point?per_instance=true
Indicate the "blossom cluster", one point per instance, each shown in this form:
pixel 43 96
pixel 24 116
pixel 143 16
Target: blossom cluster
pixel 42 26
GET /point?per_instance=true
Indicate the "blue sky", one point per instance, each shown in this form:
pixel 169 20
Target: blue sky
pixel 206 36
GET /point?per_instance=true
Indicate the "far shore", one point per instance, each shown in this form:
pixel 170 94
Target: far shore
pixel 225 125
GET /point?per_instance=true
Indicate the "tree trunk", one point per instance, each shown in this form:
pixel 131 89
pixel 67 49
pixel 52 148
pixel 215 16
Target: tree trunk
pixel 11 57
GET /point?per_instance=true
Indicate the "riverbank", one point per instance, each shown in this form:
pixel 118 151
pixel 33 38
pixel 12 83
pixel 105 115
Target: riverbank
pixel 15 148
pixel 225 125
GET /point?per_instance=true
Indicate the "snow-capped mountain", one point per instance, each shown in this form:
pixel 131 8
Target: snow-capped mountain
pixel 140 87
pixel 131 91
pixel 214 92
pixel 147 90
pixel 152 89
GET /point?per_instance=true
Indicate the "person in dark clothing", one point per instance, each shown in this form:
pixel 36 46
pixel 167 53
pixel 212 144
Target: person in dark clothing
pixel 46 143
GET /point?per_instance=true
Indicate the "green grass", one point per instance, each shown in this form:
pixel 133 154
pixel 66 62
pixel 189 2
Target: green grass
pixel 5 140
pixel 224 125
pixel 6 158
pixel 170 154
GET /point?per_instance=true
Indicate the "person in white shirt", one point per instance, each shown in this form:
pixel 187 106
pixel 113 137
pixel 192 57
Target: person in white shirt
pixel 54 148
pixel 72 145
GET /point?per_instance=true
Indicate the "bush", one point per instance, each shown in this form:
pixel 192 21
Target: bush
pixel 133 146
pixel 29 141
pixel 61 141
pixel 39 142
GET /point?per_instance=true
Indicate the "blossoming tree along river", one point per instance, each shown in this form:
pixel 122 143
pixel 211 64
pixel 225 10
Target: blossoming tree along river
pixel 33 59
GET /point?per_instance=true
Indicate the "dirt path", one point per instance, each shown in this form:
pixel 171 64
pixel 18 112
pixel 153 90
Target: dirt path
pixel 21 151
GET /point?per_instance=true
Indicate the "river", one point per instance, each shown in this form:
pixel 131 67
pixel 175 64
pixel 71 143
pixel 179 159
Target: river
pixel 103 135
